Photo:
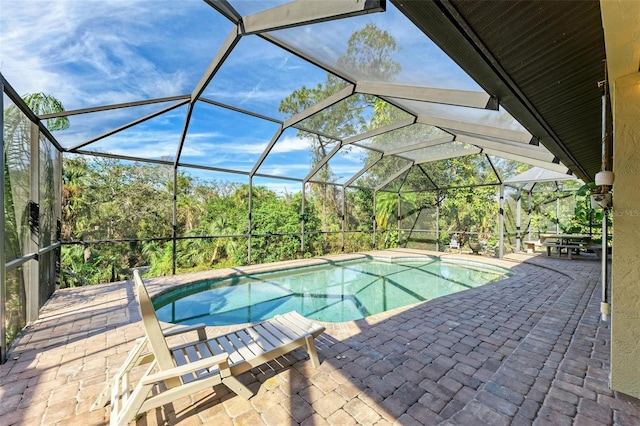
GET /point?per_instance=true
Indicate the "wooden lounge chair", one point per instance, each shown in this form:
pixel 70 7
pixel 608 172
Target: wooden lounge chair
pixel 180 371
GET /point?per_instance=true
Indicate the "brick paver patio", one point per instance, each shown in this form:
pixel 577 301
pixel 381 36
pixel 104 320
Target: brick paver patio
pixel 530 349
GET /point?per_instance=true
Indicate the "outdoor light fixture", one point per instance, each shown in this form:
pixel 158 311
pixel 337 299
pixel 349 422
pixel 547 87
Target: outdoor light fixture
pixel 604 178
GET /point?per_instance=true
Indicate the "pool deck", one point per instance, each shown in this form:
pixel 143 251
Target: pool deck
pixel 530 349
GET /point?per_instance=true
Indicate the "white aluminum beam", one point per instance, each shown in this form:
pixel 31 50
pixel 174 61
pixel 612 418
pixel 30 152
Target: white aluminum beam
pixel 232 39
pixel 110 107
pixel 322 162
pixel 325 103
pixel 223 7
pixel 421 145
pixel 297 13
pixel 309 58
pixel 394 176
pixel 450 155
pixel 266 151
pixel 380 130
pixel 525 150
pixel 560 168
pixel 476 129
pixel 230 42
pixel 130 124
pixel 462 98
pixel 362 171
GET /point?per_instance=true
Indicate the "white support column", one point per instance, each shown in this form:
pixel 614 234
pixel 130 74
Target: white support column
pixel 399 207
pixel 344 213
pixel 302 207
pixel 438 221
pixel 250 230
pixel 518 220
pixel 557 211
pixel 501 224
pixel 174 224
pixel 375 193
pixel 529 210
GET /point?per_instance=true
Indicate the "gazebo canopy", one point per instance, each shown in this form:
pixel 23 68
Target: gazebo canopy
pixel 527 179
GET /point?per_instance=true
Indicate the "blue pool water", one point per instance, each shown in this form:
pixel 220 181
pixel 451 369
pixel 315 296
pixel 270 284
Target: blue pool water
pixel 342 291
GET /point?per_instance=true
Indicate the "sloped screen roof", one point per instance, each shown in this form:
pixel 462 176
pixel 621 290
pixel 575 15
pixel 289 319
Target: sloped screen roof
pixel 264 88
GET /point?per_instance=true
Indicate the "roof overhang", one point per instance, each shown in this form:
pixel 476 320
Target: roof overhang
pixel 542 60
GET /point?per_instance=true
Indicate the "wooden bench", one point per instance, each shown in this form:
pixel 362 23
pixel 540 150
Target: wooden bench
pixel 596 248
pixel 531 245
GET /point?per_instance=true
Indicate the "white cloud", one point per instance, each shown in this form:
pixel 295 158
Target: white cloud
pixel 88 52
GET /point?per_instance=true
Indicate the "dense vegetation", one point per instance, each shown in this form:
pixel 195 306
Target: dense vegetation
pixel 129 205
pixel 119 215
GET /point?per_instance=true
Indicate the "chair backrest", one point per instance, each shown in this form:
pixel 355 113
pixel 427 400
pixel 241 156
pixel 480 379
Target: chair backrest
pixel 454 243
pixel 152 326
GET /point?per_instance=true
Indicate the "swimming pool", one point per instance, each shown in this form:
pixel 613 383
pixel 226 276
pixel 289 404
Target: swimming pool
pixel 338 292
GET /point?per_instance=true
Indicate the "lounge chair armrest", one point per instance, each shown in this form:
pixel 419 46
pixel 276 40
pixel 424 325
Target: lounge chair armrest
pixel 175 331
pixel 220 359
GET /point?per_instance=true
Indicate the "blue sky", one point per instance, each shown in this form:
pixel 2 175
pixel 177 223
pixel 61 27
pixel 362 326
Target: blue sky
pixel 91 53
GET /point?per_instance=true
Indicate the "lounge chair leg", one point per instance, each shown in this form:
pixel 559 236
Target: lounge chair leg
pixel 237 387
pixel 311 350
pixel 134 358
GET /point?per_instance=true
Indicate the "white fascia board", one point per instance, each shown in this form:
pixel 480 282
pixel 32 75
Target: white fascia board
pixel 462 98
pixel 476 129
pixel 517 148
pixel 301 12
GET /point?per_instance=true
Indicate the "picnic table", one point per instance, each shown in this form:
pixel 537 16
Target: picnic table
pixel 570 242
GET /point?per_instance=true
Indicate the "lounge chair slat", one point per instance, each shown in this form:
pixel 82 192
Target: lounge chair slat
pixel 204 349
pixel 240 346
pixel 295 321
pixel 292 333
pixel 292 324
pixel 181 359
pixel 234 356
pixel 266 345
pixel 250 343
pixel 281 334
pixel 215 347
pixel 194 354
pixel 267 335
